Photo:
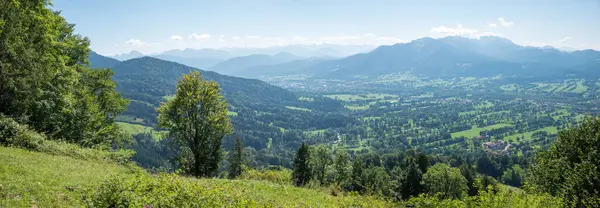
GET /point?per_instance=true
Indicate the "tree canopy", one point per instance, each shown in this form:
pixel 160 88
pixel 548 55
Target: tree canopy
pixel 46 82
pixel 445 181
pixel 570 167
pixel 197 119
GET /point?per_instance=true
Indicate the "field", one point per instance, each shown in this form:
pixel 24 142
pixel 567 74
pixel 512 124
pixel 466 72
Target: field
pixel 132 129
pixel 357 107
pixel 474 131
pixel 297 108
pixel 351 97
pixel 527 135
pixel 566 86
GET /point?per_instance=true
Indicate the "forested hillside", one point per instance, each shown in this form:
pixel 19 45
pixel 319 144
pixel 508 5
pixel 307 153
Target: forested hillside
pixel 266 115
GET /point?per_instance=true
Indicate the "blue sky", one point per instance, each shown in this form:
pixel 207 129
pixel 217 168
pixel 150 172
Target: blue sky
pixel 152 26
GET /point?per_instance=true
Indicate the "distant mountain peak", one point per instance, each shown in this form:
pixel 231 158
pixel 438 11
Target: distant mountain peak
pixel 126 56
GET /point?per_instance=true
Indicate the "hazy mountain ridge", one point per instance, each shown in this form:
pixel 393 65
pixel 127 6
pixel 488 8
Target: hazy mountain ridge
pixel 234 65
pixel 457 56
pixel 98 61
pixel 126 56
pixel 288 68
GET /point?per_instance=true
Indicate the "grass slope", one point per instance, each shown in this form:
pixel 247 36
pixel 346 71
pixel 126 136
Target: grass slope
pixel 132 129
pixel 33 179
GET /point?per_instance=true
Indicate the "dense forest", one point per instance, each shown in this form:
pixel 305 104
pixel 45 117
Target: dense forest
pixel 170 135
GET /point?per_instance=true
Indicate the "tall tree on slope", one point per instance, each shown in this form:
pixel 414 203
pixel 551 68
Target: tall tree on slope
pixel 197 119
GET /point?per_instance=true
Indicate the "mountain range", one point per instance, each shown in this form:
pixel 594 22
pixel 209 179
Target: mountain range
pixel 459 56
pixel 237 65
pixel 444 57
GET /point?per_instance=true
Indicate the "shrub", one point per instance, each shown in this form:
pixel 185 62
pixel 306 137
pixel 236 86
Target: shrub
pixel 504 198
pixel 282 176
pixel 163 190
pixel 13 134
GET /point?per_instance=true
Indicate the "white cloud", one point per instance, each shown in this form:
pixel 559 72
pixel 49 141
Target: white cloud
pixel 491 25
pixel 370 35
pixel 458 31
pixel 176 37
pixel 343 38
pixel 388 41
pixel 135 42
pixel 196 40
pixel 200 37
pixel 253 37
pixel 505 23
pixel 565 39
pixel 487 34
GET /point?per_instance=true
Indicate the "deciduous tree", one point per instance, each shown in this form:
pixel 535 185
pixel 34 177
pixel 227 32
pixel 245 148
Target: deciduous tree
pixel 197 118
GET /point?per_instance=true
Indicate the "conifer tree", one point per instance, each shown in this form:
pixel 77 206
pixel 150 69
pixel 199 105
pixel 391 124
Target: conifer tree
pixel 301 170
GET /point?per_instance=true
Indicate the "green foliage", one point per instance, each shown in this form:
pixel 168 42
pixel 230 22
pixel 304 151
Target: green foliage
pixel 469 173
pixel 169 190
pixel 515 176
pixel 13 134
pixel 155 155
pixel 16 135
pixel 487 200
pixel 407 179
pixel 197 119
pixel 164 190
pixel 45 81
pixel 357 183
pixel 319 160
pixel 342 167
pixel 280 176
pixel 377 181
pixel 445 182
pixel 486 183
pixel 31 179
pixel 302 172
pixel 570 167
pixel 236 158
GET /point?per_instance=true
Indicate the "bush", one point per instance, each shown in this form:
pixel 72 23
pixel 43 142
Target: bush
pixel 164 190
pixel 504 198
pixel 282 176
pixel 13 134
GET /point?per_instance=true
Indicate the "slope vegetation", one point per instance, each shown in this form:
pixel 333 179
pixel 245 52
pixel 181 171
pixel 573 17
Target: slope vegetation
pixel 33 179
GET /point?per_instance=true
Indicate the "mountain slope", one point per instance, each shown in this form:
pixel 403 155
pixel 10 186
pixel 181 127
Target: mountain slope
pixel 199 58
pixel 149 79
pixel 456 56
pixel 234 65
pixel 254 104
pixel 198 53
pixel 127 56
pixel 198 62
pixel 288 68
pixel 98 61
pixel 310 50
